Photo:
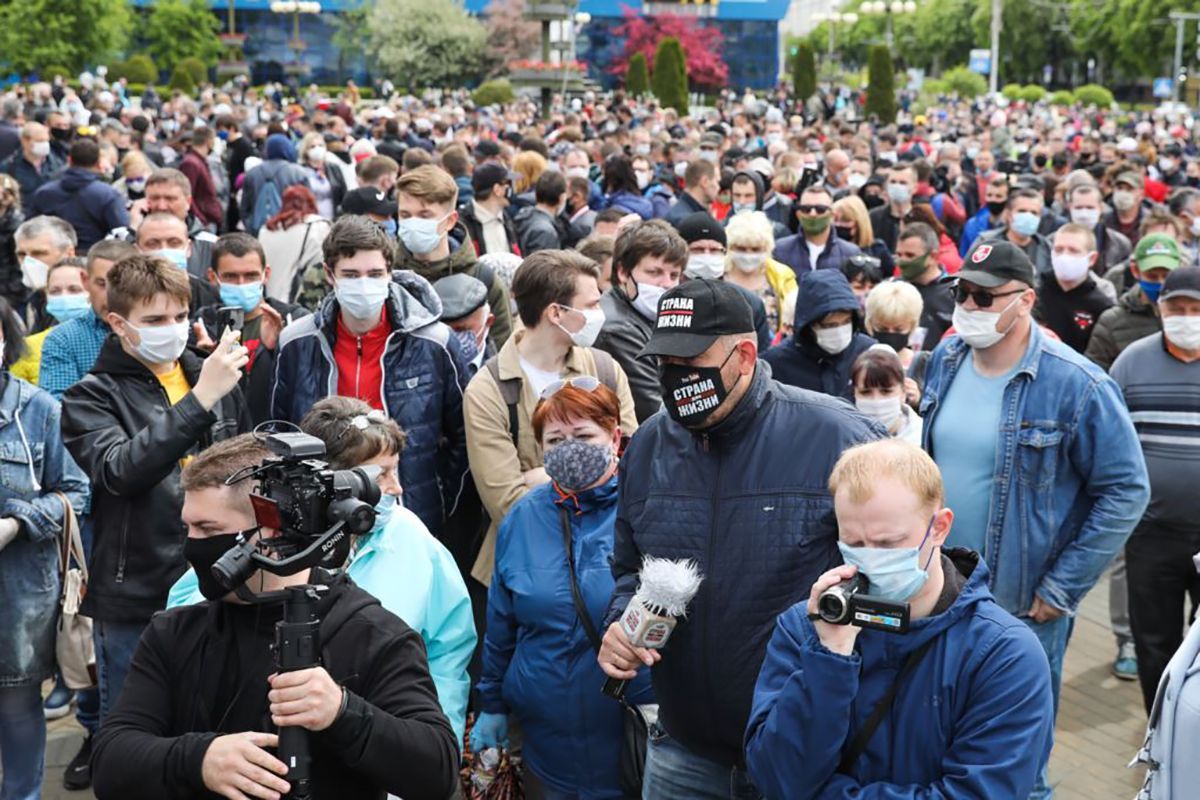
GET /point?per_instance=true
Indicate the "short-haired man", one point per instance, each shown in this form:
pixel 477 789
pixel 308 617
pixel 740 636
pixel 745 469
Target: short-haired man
pixel 34 164
pixel 271 178
pixel 147 405
pixel 1129 190
pixel 194 715
pixel 70 349
pixel 486 221
pixel 819 682
pixel 648 260
pixel 1085 204
pixel 79 196
pixel 1036 447
pixel 165 235
pixel 917 264
pixel 41 242
pixel 238 148
pixel 707 481
pixel 701 185
pixel 433 243
pixel 466 311
pixel 901 186
pixel 579 216
pixel 168 191
pixel 815 246
pixel 539 226
pixel 990 215
pixel 1022 216
pixel 1071 301
pixel 379 339
pixel 379 172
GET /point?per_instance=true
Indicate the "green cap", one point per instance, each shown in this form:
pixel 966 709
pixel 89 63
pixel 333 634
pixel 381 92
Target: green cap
pixel 1157 251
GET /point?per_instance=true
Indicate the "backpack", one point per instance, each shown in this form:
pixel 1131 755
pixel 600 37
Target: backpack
pixel 267 203
pixel 1169 751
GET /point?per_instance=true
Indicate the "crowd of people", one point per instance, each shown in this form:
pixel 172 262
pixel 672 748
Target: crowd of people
pixel 957 355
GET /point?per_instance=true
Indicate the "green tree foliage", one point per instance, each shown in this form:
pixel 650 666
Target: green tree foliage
pixel 68 34
pixel 637 76
pixel 178 29
pixel 181 80
pixel 1032 93
pixel 494 92
pixel 1011 92
pixel 196 68
pixel 423 43
pixel 804 71
pixel 966 84
pixel 1062 97
pixel 1092 95
pixel 139 69
pixel 670 75
pixel 881 85
pixel 55 70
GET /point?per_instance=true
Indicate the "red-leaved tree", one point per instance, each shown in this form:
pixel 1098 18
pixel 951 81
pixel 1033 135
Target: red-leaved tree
pixel 511 36
pixel 702 45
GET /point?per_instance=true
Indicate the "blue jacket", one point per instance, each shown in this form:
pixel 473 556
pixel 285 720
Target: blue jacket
pixel 797 360
pixel 413 576
pixel 538 662
pixel 29 570
pixel 974 720
pixel 747 499
pixel 1070 483
pixel 79 196
pixel 975 226
pixel 424 375
pixel 632 203
pixel 660 198
pixel 793 251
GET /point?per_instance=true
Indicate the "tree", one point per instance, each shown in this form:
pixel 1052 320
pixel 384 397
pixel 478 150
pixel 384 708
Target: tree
pixel 71 33
pixel 670 76
pixel 139 69
pixel 511 36
pixel 179 29
pixel 350 30
pixel 497 91
pixel 424 43
pixel 966 84
pixel 181 80
pixel 881 86
pixel 804 71
pixel 196 68
pixel 702 45
pixel 637 76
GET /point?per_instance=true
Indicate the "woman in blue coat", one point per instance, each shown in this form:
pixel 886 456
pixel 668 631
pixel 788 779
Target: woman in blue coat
pixel 538 663
pixel 621 188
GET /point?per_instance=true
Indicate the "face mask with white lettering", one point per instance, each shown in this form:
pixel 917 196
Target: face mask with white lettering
pixel 692 394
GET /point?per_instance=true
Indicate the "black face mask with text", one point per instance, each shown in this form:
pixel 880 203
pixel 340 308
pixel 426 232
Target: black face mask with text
pixel 692 394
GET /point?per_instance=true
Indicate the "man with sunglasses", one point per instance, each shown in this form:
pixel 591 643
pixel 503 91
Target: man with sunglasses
pixel 1040 458
pixel 816 246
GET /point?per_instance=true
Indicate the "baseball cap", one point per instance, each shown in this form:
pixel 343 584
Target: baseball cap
pixel 1130 178
pixel 488 175
pixel 486 149
pixel 1157 251
pixel 992 264
pixel 695 314
pixel 710 140
pixel 699 226
pixel 461 294
pixel 368 200
pixel 1182 282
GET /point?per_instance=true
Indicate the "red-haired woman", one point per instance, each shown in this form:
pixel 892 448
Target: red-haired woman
pixel 291 239
pixel 539 662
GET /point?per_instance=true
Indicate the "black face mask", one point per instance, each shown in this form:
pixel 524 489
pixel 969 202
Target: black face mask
pixel 896 341
pixel 692 394
pixel 872 201
pixel 845 232
pixel 1039 160
pixel 61 134
pixel 996 207
pixel 202 554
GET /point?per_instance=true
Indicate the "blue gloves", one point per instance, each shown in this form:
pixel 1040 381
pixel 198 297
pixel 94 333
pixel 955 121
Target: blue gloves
pixel 491 730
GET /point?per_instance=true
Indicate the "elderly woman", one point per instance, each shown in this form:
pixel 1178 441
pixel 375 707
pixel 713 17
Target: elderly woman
pixel 539 654
pixel 893 318
pixel 749 242
pixel 852 223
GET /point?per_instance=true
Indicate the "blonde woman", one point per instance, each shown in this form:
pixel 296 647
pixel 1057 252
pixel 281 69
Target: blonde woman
pixel 529 166
pixel 749 242
pixel 853 224
pixel 135 168
pixel 893 318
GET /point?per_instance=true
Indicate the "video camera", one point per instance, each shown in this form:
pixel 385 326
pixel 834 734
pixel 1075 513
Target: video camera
pixel 848 603
pixel 314 509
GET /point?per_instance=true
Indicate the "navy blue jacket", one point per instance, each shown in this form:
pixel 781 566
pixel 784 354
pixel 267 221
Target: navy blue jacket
pixel 91 206
pixel 793 251
pixel 28 177
pixel 747 499
pixel 975 718
pixel 424 375
pixel 797 360
pixel 631 203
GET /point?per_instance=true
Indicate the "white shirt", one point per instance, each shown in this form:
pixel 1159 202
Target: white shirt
pixel 495 240
pixel 539 379
pixel 814 250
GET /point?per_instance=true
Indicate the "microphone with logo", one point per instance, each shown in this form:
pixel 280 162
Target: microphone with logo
pixel 665 588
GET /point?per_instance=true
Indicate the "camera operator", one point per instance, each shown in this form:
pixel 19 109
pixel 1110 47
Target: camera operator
pixel 964 693
pixel 203 698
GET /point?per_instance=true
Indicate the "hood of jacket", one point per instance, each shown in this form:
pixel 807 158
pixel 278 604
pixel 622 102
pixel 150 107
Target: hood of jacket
pixel 1134 301
pixel 822 291
pixel 75 179
pixel 412 303
pixel 461 258
pixel 759 189
pixel 633 203
pixel 280 147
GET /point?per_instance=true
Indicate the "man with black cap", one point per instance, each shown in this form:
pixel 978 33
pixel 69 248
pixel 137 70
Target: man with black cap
pixel 466 311
pixel 1160 378
pixel 374 203
pixel 489 226
pixel 713 479
pixel 1040 458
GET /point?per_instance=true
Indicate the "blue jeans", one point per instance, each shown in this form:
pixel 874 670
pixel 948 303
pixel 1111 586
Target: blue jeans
pixel 1054 636
pixel 115 643
pixel 22 742
pixel 675 773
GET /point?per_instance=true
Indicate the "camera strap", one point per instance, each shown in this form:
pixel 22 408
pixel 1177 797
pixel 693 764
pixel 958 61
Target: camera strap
pixel 859 744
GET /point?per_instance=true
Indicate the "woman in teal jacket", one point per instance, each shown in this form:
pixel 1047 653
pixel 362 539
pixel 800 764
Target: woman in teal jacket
pixel 411 573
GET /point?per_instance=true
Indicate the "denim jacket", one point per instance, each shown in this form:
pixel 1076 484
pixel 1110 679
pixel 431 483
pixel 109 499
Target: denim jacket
pixel 1070 483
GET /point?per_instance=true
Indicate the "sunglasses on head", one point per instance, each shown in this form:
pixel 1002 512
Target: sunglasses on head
pixel 587 383
pixel 818 208
pixel 982 297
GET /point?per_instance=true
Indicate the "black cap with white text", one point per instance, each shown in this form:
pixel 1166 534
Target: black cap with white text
pixel 695 314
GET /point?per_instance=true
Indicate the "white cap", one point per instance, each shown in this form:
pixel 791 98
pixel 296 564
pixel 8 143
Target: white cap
pixel 762 167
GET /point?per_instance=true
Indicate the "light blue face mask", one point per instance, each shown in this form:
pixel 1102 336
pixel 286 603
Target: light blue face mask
pixel 389 227
pixel 245 296
pixel 1026 223
pixel 738 208
pixel 66 307
pixel 895 573
pixel 383 513
pixel 420 236
pixel 177 257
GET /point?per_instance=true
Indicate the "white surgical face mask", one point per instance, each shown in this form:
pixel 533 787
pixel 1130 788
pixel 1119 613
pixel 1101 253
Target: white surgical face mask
pixel 33 273
pixel 1195 227
pixel 705 266
pixel 834 340
pixel 978 327
pixel 576 172
pixel 749 262
pixel 884 410
pixel 1183 332
pixel 161 344
pixel 643 179
pixel 1085 216
pixel 647 299
pixel 1068 267
pixel 361 298
pixel 41 149
pixel 856 180
pixel 593 321
pixel 316 155
pixel 899 193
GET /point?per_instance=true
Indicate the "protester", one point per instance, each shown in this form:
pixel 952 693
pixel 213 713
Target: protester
pixel 750 266
pixel 80 197
pixel 900 186
pixel 700 181
pixel 490 228
pixel 33 165
pixel 165 236
pixel 206 207
pixel 466 312
pixel 880 389
pixel 1071 302
pixel 264 185
pixel 917 264
pixel 66 299
pixel 853 223
pixel 40 242
pixel 168 191
pixel 815 246
pixel 291 241
pixel 539 225
pixel 326 181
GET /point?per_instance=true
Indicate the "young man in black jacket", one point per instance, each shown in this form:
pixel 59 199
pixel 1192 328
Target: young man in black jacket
pixel 204 699
pixel 146 407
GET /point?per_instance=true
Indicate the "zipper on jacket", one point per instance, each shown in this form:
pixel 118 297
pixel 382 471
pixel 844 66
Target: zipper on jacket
pixel 123 552
pixel 358 370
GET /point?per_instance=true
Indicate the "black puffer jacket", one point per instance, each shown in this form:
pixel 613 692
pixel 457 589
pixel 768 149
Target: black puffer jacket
pixel 122 431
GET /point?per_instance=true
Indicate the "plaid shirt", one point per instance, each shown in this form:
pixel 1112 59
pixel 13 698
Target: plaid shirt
pixel 69 352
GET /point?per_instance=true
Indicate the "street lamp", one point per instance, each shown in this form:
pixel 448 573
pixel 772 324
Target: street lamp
pixel 888 7
pixel 834 18
pixel 296 8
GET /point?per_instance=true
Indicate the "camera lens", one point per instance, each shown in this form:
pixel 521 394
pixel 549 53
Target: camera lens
pixel 233 568
pixel 358 484
pixel 831 605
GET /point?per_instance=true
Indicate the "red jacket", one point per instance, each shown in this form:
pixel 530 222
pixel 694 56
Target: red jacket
pixel 205 205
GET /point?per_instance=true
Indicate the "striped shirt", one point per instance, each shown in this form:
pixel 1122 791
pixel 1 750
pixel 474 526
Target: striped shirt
pixel 69 352
pixel 1163 396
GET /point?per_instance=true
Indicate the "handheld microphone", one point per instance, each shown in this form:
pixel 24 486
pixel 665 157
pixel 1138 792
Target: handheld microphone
pixel 665 588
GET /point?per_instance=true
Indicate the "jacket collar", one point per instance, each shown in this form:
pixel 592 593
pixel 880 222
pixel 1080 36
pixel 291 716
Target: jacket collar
pixel 510 360
pixel 957 349
pixel 746 411
pixel 602 496
pixel 13 397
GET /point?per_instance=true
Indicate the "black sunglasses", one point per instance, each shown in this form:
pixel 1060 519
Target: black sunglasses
pixel 982 298
pixel 812 209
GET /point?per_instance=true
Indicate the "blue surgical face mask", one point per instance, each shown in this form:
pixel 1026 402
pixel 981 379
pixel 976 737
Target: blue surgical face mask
pixel 895 573
pixel 1150 289
pixel 420 236
pixel 389 227
pixel 177 257
pixel 223 135
pixel 66 307
pixel 738 208
pixel 383 513
pixel 245 296
pixel 1026 223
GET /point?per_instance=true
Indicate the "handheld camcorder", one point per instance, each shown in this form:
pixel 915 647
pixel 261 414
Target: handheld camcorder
pixel 848 603
pixel 314 509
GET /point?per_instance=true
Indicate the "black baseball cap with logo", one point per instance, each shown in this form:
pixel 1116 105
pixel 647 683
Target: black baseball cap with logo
pixel 1182 282
pixel 368 200
pixel 695 314
pixel 992 264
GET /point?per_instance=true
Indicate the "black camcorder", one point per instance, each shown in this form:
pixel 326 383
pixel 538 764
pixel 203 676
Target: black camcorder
pixel 848 603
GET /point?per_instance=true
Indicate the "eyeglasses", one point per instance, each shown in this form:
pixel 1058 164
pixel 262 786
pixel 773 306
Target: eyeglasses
pixel 819 208
pixel 983 299
pixel 587 383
